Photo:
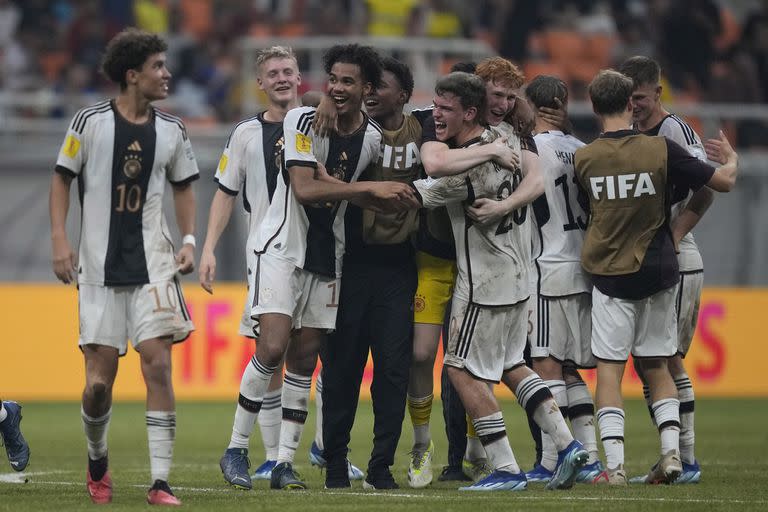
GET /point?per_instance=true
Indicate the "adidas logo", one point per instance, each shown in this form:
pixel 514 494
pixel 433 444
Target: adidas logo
pixel 14 463
pixel 135 146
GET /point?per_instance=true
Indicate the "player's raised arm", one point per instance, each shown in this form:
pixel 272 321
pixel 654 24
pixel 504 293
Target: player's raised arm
pixel 720 150
pixel 440 160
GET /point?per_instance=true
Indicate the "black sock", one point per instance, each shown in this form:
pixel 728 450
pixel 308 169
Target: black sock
pixel 161 485
pixel 97 468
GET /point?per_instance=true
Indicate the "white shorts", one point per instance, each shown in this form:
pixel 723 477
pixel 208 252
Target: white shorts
pixel 688 301
pixel 486 341
pixel 561 328
pixel 644 328
pixel 247 324
pixel 311 300
pixel 111 315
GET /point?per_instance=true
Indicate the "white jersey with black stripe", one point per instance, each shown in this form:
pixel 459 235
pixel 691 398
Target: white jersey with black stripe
pixel 122 169
pixel 676 129
pixel 493 260
pixel 560 221
pixel 312 237
pixel 251 162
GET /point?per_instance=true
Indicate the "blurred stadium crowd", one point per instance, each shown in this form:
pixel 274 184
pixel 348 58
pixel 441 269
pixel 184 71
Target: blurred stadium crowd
pixel 712 51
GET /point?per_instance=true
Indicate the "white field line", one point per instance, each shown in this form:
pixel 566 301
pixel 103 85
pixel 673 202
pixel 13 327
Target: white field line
pixel 19 478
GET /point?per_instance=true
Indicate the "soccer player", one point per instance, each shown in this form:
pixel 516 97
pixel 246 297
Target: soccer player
pixel 16 447
pixel 629 250
pixel 559 341
pixel 502 79
pixel 301 240
pixel 123 151
pixel 650 117
pixel 251 161
pixel 488 321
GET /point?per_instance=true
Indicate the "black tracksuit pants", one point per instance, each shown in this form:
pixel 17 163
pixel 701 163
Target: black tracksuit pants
pixel 376 312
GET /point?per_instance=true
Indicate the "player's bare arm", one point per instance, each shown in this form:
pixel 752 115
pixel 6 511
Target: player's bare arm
pixel 720 150
pixel 485 210
pixel 440 160
pixel 218 218
pixel 698 205
pixel 63 257
pixel 184 202
pixel 384 195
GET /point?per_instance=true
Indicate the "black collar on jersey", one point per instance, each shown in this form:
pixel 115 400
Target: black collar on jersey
pixel 470 142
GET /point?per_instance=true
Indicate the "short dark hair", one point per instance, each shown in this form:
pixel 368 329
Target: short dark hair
pixel 466 66
pixel 401 72
pixel 642 70
pixel 610 92
pixel 129 49
pixel 470 89
pixel 543 90
pixel 365 57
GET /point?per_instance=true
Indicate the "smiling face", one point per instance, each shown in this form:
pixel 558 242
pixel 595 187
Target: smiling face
pixel 152 79
pixel 500 100
pixel 279 78
pixel 644 100
pixel 449 116
pixel 347 88
pixel 387 99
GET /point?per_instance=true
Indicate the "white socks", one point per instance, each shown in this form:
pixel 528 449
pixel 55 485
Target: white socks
pixel 161 433
pixel 296 390
pixel 253 387
pixel 96 433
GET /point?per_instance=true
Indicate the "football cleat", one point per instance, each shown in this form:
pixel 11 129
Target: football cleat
pixel 476 469
pixel 453 474
pixel 234 466
pixel 539 474
pixel 380 481
pixel 284 477
pixel 264 472
pixel 100 491
pixel 665 471
pixel 316 459
pixel 616 476
pixel 691 474
pixel 499 481
pixel 420 467
pixel 161 494
pixel 16 446
pixel 589 472
pixel 569 461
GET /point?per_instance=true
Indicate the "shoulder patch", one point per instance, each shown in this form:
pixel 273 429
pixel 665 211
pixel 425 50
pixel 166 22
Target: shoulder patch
pixel 71 146
pixel 303 143
pixel 223 163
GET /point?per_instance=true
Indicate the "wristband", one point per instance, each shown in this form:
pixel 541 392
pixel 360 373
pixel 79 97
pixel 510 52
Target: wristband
pixel 188 239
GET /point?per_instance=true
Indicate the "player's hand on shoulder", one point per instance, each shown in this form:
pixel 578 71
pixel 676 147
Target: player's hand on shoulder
pixel 503 154
pixel 207 272
pixel 485 211
pixel 185 259
pixel 326 118
pixel 64 260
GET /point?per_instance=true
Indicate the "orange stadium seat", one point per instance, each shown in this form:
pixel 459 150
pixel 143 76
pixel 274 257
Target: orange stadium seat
pixel 197 16
pixel 599 48
pixel 51 64
pixel 564 45
pixel 534 68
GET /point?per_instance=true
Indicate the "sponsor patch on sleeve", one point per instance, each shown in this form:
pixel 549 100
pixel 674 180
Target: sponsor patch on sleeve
pixel 71 146
pixel 223 163
pixel 303 143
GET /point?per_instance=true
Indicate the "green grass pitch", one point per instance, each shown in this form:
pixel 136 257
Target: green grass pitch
pixel 731 435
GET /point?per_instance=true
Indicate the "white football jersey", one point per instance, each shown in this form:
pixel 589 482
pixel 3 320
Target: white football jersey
pixel 251 162
pixel 312 237
pixel 493 260
pixel 560 220
pixel 674 128
pixel 122 169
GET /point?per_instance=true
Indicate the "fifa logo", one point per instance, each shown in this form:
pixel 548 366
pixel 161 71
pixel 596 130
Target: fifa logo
pixel 622 186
